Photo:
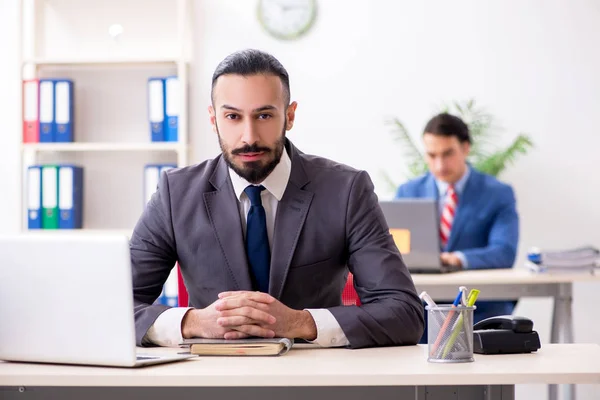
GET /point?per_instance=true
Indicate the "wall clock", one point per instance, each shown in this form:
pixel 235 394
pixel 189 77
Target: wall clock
pixel 287 19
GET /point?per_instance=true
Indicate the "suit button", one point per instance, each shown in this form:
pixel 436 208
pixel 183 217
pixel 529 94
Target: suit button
pixel 333 341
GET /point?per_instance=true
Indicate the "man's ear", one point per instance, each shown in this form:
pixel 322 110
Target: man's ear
pixel 466 148
pixel 291 115
pixel 213 118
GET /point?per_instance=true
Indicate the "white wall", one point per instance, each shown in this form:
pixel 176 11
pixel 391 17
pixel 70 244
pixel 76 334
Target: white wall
pixel 534 64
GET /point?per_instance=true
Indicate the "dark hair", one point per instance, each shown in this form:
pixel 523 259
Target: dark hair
pixel 445 124
pixel 252 62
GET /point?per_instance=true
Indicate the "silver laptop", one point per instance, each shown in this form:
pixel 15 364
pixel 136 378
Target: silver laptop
pixel 68 299
pixel 418 219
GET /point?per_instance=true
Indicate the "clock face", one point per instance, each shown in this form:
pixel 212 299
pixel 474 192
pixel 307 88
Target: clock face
pixel 287 19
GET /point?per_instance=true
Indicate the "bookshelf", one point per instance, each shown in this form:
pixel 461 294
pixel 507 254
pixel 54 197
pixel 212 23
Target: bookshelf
pixel 109 146
pixel 109 49
pixel 105 62
pixel 67 232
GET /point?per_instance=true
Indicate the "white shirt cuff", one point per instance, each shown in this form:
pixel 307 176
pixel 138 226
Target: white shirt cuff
pixel 329 331
pixel 166 330
pixel 462 258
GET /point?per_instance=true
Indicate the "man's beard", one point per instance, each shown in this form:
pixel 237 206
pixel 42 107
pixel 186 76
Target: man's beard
pixel 254 171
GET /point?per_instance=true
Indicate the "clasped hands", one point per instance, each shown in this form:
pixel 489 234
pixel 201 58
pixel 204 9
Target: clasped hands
pixel 242 314
pixel 450 259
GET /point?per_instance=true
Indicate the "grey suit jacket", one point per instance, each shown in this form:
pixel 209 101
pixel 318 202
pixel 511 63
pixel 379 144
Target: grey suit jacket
pixel 328 222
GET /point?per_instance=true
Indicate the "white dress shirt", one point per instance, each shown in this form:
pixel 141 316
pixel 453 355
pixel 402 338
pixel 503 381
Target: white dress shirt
pixel 166 330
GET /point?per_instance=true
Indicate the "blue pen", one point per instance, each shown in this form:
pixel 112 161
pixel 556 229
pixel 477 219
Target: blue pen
pixel 458 297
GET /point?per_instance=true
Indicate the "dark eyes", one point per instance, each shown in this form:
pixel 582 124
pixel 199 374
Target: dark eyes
pixel 259 116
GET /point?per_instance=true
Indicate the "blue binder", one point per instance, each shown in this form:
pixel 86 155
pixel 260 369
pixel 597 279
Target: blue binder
pixel 171 289
pixel 34 197
pixel 170 292
pixel 70 196
pixel 172 108
pixel 46 116
pixel 156 108
pixel 165 168
pixel 63 110
pixel 152 175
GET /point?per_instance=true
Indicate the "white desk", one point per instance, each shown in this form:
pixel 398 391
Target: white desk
pixel 511 284
pixel 381 373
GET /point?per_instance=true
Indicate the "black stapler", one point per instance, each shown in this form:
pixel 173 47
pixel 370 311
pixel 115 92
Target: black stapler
pixel 505 334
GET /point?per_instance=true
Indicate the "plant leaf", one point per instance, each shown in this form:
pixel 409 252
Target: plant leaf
pixel 459 108
pixel 499 160
pixel 418 169
pixel 388 181
pixel 411 153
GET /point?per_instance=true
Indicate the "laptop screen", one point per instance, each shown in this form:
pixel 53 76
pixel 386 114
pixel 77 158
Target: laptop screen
pixel 413 224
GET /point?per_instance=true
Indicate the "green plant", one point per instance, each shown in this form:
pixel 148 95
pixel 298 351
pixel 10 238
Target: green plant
pixel 484 155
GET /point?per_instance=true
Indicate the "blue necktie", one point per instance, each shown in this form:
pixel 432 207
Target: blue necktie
pixel 257 240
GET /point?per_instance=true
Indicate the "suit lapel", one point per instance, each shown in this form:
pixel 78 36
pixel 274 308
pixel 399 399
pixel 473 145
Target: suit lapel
pixel 464 209
pixel 222 208
pixel 290 218
pixel 430 189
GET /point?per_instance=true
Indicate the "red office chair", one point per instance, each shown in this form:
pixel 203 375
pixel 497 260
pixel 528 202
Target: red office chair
pixel 349 295
pixel 183 294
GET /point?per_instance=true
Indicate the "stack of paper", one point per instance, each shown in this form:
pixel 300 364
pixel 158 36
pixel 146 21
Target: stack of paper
pixel 581 259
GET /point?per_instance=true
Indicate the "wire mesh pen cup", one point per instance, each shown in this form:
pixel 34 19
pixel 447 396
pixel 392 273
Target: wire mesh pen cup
pixel 450 334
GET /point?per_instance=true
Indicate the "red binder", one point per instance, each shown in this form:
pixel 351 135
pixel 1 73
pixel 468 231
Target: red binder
pixel 31 108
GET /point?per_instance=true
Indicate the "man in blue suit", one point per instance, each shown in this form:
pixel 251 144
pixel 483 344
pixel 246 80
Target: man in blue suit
pixel 479 224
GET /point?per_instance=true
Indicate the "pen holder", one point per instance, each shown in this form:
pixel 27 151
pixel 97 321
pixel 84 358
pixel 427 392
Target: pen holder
pixel 450 333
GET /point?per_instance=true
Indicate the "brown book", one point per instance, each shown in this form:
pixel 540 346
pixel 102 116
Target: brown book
pixel 238 347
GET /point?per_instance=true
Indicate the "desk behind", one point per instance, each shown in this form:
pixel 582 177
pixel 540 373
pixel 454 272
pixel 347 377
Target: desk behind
pixel 507 276
pixel 500 284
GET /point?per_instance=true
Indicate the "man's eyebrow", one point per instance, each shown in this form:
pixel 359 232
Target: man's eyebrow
pixel 256 110
pixel 228 107
pixel 264 108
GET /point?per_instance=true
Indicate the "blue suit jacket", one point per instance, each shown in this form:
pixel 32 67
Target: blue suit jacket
pixel 485 227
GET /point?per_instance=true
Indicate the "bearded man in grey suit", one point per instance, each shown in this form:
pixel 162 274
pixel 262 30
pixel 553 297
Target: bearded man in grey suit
pixel 265 235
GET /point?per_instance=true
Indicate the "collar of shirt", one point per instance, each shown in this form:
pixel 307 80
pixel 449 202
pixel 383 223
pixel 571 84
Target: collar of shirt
pixel 458 186
pixel 275 183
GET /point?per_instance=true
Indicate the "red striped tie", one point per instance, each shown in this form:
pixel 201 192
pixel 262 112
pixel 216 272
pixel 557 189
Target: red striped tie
pixel 448 215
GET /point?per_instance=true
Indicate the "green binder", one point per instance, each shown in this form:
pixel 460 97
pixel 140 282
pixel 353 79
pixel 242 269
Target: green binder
pixel 50 197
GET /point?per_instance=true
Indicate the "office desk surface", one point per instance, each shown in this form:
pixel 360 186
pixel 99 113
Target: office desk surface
pixel 512 276
pixel 395 366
